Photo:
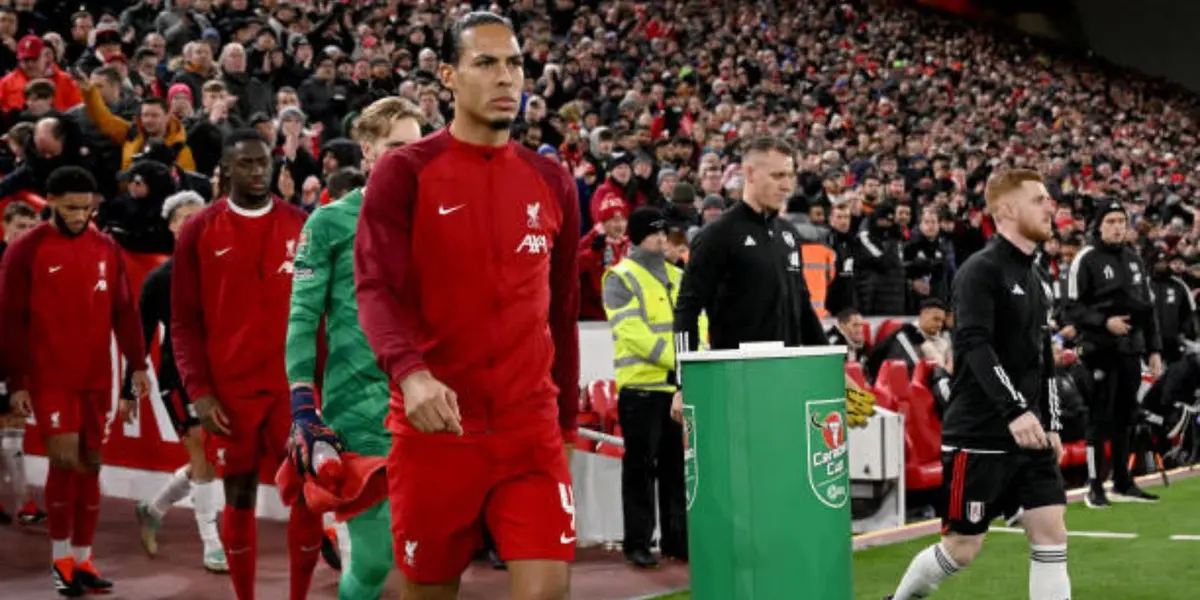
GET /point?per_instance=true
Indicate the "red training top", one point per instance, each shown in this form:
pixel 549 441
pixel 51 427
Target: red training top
pixel 63 297
pixel 230 292
pixel 465 263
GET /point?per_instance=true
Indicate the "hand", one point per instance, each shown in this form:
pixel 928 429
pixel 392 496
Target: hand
pixel 677 407
pixel 1156 366
pixel 1028 432
pixel 920 286
pixel 22 404
pixel 1056 444
pixel 127 410
pixel 598 243
pixel 307 429
pixel 430 406
pixel 211 415
pixel 141 385
pixel 1118 325
pixel 1068 332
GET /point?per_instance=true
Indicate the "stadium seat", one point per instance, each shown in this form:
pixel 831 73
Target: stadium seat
pixel 891 384
pixel 886 328
pixel 923 371
pixel 1074 454
pixel 602 396
pixel 855 371
pixel 867 340
pixel 923 463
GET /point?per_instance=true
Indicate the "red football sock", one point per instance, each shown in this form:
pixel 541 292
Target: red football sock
pixel 239 531
pixel 87 508
pixel 304 535
pixel 60 497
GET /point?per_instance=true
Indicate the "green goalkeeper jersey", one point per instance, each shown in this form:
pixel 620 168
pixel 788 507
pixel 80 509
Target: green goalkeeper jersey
pixel 354 393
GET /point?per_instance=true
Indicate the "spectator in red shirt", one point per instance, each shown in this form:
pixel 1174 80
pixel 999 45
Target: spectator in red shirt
pixel 230 294
pixel 621 184
pixel 33 64
pixel 65 294
pixel 604 246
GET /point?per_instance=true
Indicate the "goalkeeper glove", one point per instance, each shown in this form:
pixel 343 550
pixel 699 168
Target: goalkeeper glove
pixel 307 430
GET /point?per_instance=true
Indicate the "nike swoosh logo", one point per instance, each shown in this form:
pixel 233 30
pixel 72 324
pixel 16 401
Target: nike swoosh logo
pixel 55 269
pixel 442 210
pixel 222 251
pixel 566 540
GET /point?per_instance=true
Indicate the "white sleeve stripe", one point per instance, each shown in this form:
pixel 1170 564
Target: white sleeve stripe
pixel 1007 383
pixel 1190 298
pixel 681 348
pixel 865 238
pixel 1073 274
pixel 1055 406
pixel 908 348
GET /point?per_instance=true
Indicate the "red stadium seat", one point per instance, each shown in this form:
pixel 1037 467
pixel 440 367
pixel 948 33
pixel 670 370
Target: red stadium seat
pixel 867 340
pixel 602 396
pixel 923 463
pixel 1074 454
pixel 855 371
pixel 922 372
pixel 886 328
pixel 891 384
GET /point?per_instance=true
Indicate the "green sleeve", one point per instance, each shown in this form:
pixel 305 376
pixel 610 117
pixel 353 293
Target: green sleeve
pixel 310 289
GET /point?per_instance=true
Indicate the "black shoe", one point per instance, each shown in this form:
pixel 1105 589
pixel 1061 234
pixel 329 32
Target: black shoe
pixel 90 580
pixel 642 559
pixel 5 518
pixel 66 580
pixel 1133 493
pixel 494 558
pixel 1096 498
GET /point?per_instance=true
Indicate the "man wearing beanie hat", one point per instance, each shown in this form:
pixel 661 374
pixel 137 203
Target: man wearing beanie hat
pixel 604 246
pixel 639 298
pixel 1174 305
pixel 1109 303
pixel 620 183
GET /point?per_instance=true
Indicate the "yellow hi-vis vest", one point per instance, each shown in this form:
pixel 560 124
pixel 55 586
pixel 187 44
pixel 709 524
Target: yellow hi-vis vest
pixel 643 342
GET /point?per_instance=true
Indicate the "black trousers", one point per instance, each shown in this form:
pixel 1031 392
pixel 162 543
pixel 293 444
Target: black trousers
pixel 1111 411
pixel 653 453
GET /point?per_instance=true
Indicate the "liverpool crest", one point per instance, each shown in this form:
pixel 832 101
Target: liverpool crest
pixel 828 472
pixel 691 471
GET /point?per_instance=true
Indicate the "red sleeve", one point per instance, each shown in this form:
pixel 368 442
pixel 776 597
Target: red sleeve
pixel 589 260
pixel 564 297
pixel 69 95
pixel 382 251
pixel 127 324
pixel 187 311
pixel 16 271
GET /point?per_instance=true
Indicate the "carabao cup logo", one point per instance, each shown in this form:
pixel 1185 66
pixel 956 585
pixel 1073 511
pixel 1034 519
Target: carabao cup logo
pixel 828 472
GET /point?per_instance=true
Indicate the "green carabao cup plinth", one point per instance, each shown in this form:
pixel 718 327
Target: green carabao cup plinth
pixel 767 474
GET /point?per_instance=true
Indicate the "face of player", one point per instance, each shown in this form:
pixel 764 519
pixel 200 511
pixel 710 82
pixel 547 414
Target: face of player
pixel 249 168
pixel 17 227
pixel 403 132
pixel 770 179
pixel 487 79
pixel 931 321
pixel 181 215
pixel 1112 228
pixel 853 329
pixel 74 211
pixel 1031 208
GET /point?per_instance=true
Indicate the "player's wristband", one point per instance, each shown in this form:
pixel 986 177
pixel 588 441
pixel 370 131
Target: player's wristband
pixel 304 404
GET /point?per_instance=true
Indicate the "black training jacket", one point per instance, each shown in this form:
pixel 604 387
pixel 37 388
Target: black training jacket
pixel 745 271
pixel 1003 363
pixel 1108 280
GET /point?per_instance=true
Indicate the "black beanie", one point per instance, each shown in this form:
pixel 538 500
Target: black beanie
pixel 644 222
pixel 1106 207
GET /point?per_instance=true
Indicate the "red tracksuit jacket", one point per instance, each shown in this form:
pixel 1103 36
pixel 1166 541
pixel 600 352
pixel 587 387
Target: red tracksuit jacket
pixel 62 300
pixel 465 262
pixel 230 292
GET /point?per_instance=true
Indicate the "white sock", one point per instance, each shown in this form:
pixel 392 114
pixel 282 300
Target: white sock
pixel 927 569
pixel 60 549
pixel 81 553
pixel 204 497
pixel 177 489
pixel 343 538
pixel 1048 579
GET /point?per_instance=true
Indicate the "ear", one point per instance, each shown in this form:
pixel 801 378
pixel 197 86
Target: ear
pixel 446 75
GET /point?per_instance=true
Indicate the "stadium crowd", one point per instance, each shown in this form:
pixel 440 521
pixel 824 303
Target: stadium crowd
pixel 898 117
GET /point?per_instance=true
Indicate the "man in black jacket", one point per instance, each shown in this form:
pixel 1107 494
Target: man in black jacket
pixel 1175 307
pixel 1109 303
pixel 880 264
pixel 997 453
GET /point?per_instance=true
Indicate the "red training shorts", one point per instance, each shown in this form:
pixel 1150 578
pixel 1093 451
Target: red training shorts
pixel 60 412
pixel 441 486
pixel 259 427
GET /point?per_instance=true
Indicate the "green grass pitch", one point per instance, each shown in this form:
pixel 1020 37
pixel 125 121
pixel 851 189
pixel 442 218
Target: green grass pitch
pixel 1151 566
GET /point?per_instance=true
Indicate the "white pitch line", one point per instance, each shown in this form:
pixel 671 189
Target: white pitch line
pixel 1087 534
pixel 1186 538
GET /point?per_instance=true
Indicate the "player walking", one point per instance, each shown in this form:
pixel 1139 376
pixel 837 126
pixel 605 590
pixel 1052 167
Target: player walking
pixel 229 296
pixel 997 455
pixel 64 296
pixel 354 398
pixel 467 289
pixel 197 475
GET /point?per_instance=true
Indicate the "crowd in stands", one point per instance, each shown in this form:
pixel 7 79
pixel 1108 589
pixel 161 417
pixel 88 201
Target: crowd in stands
pixel 899 117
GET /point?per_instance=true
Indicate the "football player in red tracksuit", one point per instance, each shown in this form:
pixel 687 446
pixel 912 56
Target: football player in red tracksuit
pixel 230 294
pixel 468 292
pixel 64 295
